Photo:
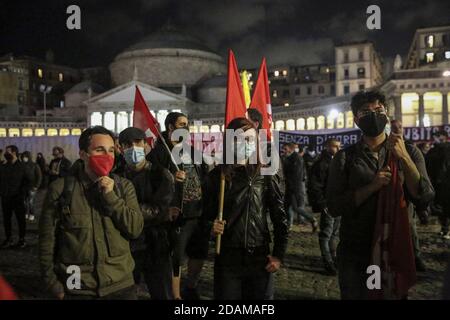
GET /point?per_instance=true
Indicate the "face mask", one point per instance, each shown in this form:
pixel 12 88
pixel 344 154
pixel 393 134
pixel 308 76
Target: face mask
pixel 25 159
pixel 8 156
pixel 246 149
pixel 373 124
pixel 297 150
pixel 134 155
pixel 101 164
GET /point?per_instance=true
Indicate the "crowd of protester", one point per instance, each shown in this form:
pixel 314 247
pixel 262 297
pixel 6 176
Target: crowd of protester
pixel 125 213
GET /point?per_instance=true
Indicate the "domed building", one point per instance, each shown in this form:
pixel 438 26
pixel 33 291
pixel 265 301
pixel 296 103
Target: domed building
pixel 167 59
pixel 174 72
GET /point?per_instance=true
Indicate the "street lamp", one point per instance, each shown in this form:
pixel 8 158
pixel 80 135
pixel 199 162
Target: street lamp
pixel 45 89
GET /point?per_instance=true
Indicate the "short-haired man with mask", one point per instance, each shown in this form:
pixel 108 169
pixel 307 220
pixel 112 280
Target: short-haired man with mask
pixel 154 189
pixel 189 239
pixel 87 221
pixel 357 174
pixel 60 166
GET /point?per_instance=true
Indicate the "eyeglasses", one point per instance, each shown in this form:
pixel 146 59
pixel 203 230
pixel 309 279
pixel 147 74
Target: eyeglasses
pixel 364 113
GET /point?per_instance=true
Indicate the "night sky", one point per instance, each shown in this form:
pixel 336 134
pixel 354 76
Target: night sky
pixel 285 31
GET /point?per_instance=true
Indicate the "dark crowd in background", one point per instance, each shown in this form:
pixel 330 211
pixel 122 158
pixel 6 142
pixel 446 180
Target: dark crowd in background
pixel 126 213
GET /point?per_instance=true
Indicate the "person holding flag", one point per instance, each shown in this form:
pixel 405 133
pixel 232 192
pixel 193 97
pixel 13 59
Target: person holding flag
pixel 188 239
pixel 243 267
pixel 369 186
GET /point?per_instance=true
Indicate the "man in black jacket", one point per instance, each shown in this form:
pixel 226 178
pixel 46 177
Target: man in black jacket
pixel 294 172
pixel 60 166
pixel 329 226
pixel 437 170
pixel 35 183
pixel 14 179
pixel 189 239
pixel 154 190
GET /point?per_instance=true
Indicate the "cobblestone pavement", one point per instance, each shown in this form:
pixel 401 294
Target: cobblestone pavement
pixel 301 277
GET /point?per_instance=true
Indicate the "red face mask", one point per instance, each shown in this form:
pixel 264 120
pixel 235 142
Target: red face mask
pixel 101 164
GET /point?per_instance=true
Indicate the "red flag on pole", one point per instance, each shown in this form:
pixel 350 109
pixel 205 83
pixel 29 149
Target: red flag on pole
pixel 235 105
pixel 261 98
pixel 392 246
pixel 143 119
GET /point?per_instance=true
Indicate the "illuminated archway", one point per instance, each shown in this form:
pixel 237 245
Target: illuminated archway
pixel 290 124
pixel 311 123
pixel 301 123
pixel 320 122
pixel 279 125
pixel 410 109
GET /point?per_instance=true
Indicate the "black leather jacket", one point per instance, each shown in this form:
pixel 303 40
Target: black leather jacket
pixel 248 199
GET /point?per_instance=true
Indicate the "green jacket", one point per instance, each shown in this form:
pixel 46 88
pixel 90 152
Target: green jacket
pixel 94 235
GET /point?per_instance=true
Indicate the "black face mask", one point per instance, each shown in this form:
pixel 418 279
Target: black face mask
pixel 373 124
pixel 8 156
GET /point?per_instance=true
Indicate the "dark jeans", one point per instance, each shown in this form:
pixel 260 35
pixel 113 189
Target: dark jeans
pixel 240 274
pixel 124 294
pixel 14 205
pixel 155 263
pixel 29 202
pixel 352 275
pixel 328 235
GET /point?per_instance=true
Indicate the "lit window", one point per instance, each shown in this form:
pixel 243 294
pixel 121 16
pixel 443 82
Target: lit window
pixel 430 41
pixel 275 93
pixel 14 132
pixel 279 125
pixel 40 73
pixel 122 121
pixel 290 124
pixel 284 72
pixel 276 73
pixel 204 129
pixel 110 121
pixel 328 70
pixel 215 128
pixel 96 119
pixel 52 132
pixel 430 57
pixel 27 132
pixel 64 132
pixel 311 123
pixel 2 132
pixel 76 132
pixel 349 123
pixel 193 129
pixel 39 132
pixel 447 54
pixel 320 122
pixel 286 104
pixel 61 77
pixel 61 104
pixel 301 124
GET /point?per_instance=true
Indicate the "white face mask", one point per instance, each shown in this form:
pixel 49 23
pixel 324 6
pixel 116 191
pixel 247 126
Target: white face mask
pixel 25 159
pixel 297 150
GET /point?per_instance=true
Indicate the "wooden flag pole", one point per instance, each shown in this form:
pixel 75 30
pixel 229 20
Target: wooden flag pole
pixel 220 215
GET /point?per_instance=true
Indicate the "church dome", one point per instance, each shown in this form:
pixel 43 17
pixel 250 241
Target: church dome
pixel 167 58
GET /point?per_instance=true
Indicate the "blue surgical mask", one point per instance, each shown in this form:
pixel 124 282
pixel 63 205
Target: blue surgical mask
pixel 134 155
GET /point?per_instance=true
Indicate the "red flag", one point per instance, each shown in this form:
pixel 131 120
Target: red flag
pixel 261 98
pixel 392 246
pixel 6 292
pixel 235 106
pixel 143 119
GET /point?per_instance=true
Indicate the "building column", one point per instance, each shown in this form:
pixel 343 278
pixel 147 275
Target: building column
pixel 128 119
pixel 115 121
pixel 445 108
pixel 103 119
pixel 398 108
pixel 421 109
